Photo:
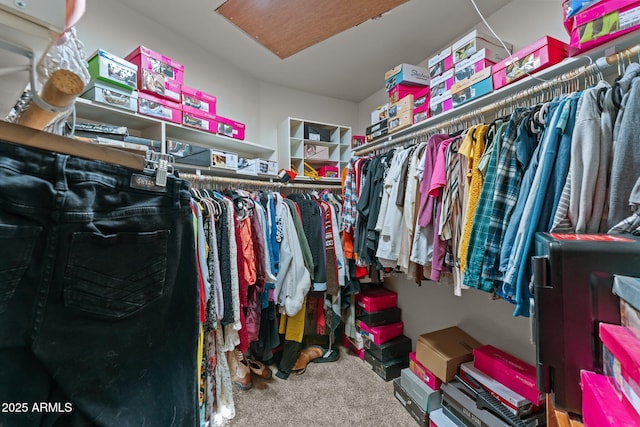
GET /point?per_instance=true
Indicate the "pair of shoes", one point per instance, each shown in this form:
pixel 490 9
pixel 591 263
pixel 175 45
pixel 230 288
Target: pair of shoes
pixel 239 369
pixel 259 368
pixel 307 355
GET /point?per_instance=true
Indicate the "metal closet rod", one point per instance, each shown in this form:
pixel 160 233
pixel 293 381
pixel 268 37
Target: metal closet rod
pixel 509 102
pixel 257 183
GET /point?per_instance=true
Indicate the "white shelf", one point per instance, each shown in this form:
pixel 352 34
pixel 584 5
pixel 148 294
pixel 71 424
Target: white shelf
pixel 183 133
pixel 223 172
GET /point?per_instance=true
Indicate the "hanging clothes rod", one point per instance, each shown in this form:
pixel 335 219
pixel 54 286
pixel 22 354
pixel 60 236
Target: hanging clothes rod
pixel 540 93
pixel 257 183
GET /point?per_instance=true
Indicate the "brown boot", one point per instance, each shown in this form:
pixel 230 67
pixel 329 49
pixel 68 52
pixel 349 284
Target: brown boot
pixel 240 372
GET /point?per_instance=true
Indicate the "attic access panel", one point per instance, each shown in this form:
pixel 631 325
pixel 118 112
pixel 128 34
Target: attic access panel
pixel 286 27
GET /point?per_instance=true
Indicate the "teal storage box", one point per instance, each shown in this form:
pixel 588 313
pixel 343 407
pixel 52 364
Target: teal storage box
pixel 113 69
pixel 472 88
pixel 112 96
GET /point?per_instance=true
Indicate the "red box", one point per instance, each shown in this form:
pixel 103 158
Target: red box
pixel 203 121
pixel 510 371
pixel 400 91
pixel 601 404
pixel 328 171
pixel 147 59
pixel 376 299
pixel 381 334
pixel 230 128
pixel 621 360
pixel 423 373
pixel 421 98
pixel 539 55
pixel 603 22
pixel 195 100
pixel 161 108
pixel 157 85
pixel 421 113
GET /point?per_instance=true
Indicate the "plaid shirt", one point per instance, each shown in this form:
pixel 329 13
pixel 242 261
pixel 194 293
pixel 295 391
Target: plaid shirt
pixel 349 211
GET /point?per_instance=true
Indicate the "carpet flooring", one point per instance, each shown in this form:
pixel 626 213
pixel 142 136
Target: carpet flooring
pixel 341 393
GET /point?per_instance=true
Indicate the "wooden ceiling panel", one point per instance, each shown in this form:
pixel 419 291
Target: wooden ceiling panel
pixel 286 27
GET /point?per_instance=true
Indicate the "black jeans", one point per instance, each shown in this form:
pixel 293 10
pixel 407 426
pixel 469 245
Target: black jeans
pixel 98 295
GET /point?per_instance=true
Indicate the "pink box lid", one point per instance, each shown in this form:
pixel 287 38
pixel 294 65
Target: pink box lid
pixel 536 45
pixel 198 94
pixel 601 404
pixel 199 113
pixel 601 9
pixel 227 121
pixel 624 345
pixel 142 50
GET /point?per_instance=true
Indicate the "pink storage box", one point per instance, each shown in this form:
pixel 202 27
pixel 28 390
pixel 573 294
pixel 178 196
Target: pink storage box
pixel 621 360
pixel 202 121
pixel 161 108
pixel 328 171
pixel 539 55
pixel 421 113
pixel 230 128
pixel 380 334
pixel 441 84
pixel 157 85
pixel 441 62
pixel 421 98
pixel 398 92
pixel 601 404
pixel 472 65
pixel 376 299
pixel 441 103
pixel 147 59
pixel 510 371
pixel 195 100
pixel 603 22
pixel 423 373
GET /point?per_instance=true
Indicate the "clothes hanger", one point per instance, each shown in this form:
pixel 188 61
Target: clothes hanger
pixel 22 135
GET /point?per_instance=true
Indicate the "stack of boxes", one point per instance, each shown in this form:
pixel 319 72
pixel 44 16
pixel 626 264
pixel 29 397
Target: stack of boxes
pixel 613 399
pixel 114 81
pixel 379 324
pixel 404 84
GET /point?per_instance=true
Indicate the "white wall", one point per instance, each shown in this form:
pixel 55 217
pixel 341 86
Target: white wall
pixel 433 306
pixel 261 106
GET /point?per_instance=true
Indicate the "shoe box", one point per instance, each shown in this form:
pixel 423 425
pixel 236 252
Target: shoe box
pixel 424 396
pixel 455 397
pixel 423 373
pixel 379 334
pixel 421 416
pixel 380 317
pixel 376 299
pixel 398 347
pixel 386 370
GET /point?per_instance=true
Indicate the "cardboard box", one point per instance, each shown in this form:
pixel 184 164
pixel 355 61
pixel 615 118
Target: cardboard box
pixel 438 418
pixel 147 59
pixel 189 154
pixel 194 101
pixel 514 373
pixel 380 334
pixel 601 406
pixel 628 289
pixel 396 348
pixel 477 40
pixel 472 65
pixel 403 120
pixel 423 373
pixel 621 360
pixel 440 104
pixel 401 91
pixel 316 152
pixel 158 85
pixel 377 134
pixel 110 95
pixel 603 22
pixel 406 74
pixel 400 107
pixel 441 62
pixel 382 124
pixel 444 350
pixel 376 299
pixel 224 159
pixel 442 84
pixel 161 108
pixel 386 370
pixel 418 414
pixel 114 70
pixel 516 403
pixel 202 121
pixel 230 128
pixel 257 166
pixel 539 55
pixel 380 317
pixel 380 114
pixel 472 88
pixel 424 396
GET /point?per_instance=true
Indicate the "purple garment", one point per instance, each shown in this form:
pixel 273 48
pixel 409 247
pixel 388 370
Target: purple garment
pixel 439 245
pixel 425 214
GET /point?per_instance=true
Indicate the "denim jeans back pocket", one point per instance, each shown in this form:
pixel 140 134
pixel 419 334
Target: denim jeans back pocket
pixel 16 249
pixel 114 276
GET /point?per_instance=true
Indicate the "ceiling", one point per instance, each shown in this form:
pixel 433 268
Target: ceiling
pixel 348 66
